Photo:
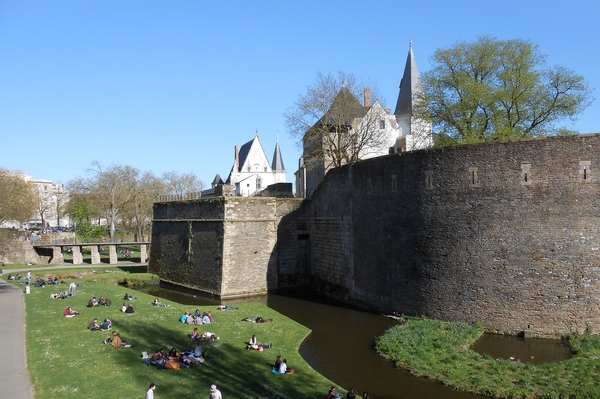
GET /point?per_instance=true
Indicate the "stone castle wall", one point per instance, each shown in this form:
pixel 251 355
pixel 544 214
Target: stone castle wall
pixel 506 233
pixel 227 247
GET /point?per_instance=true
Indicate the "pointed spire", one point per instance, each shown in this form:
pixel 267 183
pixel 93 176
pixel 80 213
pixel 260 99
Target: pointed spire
pixel 409 85
pixel 277 164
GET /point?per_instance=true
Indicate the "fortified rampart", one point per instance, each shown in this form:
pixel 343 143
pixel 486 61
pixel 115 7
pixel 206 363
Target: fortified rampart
pixel 227 247
pixel 502 233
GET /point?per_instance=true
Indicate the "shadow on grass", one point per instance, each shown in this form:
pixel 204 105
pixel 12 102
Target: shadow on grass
pixel 237 372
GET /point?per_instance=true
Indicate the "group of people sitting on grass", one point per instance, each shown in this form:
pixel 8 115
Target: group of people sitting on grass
pixel 100 302
pixel 54 280
pixel 281 366
pixel 127 308
pixel 175 360
pixel 197 318
pixel 253 344
pixel 105 326
pixel 17 277
pixel 334 394
pixel 128 297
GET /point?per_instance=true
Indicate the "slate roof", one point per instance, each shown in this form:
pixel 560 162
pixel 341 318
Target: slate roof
pixel 409 84
pixel 346 104
pixel 217 181
pixel 277 164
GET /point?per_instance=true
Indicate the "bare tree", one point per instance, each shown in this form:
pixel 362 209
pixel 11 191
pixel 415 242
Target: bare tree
pixel 182 184
pixel 111 187
pixel 144 191
pixel 331 125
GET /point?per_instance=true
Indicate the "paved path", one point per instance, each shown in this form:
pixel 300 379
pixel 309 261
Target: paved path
pixel 14 377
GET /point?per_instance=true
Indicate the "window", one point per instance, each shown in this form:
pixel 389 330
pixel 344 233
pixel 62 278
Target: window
pixel 584 171
pixel 394 183
pixel 369 187
pixel 258 182
pixel 474 177
pixel 526 174
pixel 429 180
pixel 382 124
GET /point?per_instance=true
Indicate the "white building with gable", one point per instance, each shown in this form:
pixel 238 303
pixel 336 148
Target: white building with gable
pixel 252 172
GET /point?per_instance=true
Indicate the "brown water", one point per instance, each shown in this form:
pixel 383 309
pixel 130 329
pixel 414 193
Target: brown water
pixel 519 349
pixel 341 345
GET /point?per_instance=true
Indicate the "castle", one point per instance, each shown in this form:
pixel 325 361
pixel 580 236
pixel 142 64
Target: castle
pixel 251 171
pixel 505 233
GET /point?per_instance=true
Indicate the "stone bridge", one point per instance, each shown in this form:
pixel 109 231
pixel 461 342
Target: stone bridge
pixel 56 251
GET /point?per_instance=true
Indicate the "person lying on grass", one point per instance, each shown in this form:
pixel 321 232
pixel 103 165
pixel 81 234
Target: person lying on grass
pixel 208 335
pixel 158 303
pixel 70 312
pixel 128 297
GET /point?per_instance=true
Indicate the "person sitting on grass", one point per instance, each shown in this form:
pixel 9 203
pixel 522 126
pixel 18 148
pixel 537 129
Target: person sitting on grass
pixel 277 362
pixel 104 301
pixel 106 325
pixel 205 318
pixel 253 344
pixel 195 335
pixel 93 326
pixel 283 368
pixel 128 297
pixel 129 309
pixel 158 357
pixel 93 302
pixel 56 280
pixel 189 319
pixel 70 312
pixel 116 341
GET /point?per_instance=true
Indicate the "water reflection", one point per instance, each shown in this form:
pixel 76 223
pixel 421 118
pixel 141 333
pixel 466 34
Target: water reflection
pixel 340 346
pixel 530 350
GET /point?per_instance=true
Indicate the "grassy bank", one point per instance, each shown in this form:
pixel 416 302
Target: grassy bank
pixel 441 351
pixel 68 361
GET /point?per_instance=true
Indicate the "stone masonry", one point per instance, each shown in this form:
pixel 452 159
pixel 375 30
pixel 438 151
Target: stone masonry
pixel 507 234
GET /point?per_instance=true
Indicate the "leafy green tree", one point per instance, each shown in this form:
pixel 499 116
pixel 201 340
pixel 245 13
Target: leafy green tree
pixel 81 211
pixel 494 89
pixel 17 197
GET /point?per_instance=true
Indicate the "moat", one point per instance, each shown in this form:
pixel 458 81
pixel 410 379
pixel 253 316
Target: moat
pixel 341 345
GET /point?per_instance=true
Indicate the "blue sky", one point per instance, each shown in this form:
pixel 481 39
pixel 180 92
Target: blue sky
pixel 174 86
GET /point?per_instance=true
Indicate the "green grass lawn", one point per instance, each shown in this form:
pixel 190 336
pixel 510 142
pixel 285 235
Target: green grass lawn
pixel 441 351
pixel 68 361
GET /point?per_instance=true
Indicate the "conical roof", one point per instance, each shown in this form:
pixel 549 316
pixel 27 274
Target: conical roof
pixel 277 164
pixel 409 85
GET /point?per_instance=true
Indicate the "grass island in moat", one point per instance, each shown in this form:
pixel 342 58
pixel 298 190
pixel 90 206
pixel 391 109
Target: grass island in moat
pixel 441 350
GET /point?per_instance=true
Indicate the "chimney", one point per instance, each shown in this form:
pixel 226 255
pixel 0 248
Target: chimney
pixel 367 97
pixel 236 165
